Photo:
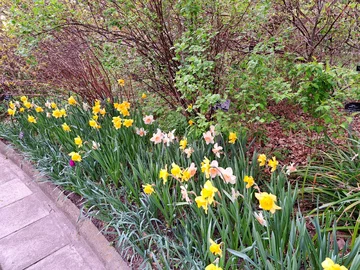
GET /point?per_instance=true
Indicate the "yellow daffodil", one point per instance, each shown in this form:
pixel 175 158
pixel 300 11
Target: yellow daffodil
pixel 11 111
pixel 189 107
pixel 128 122
pixel 249 180
pixel 11 105
pixel 23 99
pixel 94 124
pixel 232 137
pixel 31 119
pixel 148 189
pixel 202 202
pixel 267 201
pixel 27 104
pixel 102 112
pixel 95 117
pixel 215 248
pixel 164 175
pixel 212 267
pixel 183 144
pixel 72 101
pixel 121 82
pixel 63 112
pixel 65 127
pixel 205 167
pixel 191 122
pixel 186 175
pixel 78 141
pixel 125 112
pixel 262 159
pixel 21 109
pixel 126 105
pixel 117 122
pixel 75 156
pixel 329 264
pixel 208 192
pixel 143 96
pixel 53 105
pixel 57 113
pixel 39 109
pixel 273 164
pixel 175 171
pixel 96 109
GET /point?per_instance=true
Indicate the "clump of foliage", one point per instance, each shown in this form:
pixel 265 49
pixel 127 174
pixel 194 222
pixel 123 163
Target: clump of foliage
pixel 176 202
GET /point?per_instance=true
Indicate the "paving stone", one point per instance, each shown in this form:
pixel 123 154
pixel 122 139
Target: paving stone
pixel 21 213
pixel 31 244
pixel 6 174
pixel 13 191
pixel 66 258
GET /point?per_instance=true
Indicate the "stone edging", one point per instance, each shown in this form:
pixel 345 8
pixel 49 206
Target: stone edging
pixel 98 243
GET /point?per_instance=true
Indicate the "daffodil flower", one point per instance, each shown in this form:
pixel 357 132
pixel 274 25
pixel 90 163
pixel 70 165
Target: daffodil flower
pixel 273 164
pixel 215 248
pixel 148 189
pixel 267 201
pixel 249 180
pixel 262 159
pixel 329 264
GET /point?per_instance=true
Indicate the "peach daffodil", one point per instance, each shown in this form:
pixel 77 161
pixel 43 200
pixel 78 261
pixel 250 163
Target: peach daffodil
pixel 148 119
pixel 208 137
pixel 217 150
pixel 227 175
pixel 157 137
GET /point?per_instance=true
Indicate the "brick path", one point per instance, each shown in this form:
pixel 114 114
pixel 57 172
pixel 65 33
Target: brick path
pixel 36 234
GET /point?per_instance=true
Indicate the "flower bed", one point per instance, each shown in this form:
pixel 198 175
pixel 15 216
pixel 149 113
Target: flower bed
pixel 181 203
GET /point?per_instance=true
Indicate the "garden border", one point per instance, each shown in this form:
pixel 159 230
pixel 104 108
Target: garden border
pixel 97 242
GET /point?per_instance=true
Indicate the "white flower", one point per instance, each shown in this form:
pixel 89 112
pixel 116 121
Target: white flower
pixel 171 136
pixel 184 193
pixel 166 139
pixel 48 115
pixel 208 137
pixel 234 194
pixel 212 130
pixel 141 132
pixel 214 169
pixel 157 137
pixel 95 145
pixel 192 169
pixel 148 119
pixel 260 218
pixel 85 106
pixel 17 104
pixel 188 151
pixel 227 175
pixel 48 104
pixel 290 169
pixel 217 150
